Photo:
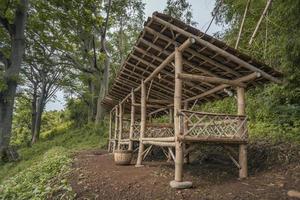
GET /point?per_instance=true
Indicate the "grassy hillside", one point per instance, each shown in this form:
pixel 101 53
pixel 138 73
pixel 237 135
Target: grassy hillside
pixel 41 171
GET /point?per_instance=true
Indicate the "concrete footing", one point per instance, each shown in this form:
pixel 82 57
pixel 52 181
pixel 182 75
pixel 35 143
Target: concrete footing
pixel 181 185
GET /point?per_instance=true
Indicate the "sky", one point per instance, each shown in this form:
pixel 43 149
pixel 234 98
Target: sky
pixel 201 10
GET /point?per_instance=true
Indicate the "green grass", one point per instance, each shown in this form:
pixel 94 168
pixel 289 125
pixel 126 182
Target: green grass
pixel 41 164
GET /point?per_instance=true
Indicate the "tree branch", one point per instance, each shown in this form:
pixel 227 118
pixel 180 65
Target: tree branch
pixel 5 23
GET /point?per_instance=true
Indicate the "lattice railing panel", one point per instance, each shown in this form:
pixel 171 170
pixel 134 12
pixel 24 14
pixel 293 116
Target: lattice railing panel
pixel 157 132
pixel 126 129
pixel 136 130
pixel 217 125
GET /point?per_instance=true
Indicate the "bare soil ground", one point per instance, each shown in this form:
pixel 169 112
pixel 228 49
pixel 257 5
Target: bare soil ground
pixel 95 176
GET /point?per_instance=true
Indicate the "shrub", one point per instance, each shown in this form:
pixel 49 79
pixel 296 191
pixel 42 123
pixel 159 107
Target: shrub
pixel 43 180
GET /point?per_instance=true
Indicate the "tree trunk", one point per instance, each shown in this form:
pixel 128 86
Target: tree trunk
pixel 91 111
pixel 33 111
pixel 105 76
pixel 103 91
pixel 11 75
pixel 39 113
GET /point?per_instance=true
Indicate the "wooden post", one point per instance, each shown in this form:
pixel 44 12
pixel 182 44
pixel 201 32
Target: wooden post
pixel 171 121
pixel 120 125
pixel 178 129
pixel 116 128
pixel 186 146
pixel 143 124
pixel 110 132
pixel 177 108
pixel 243 173
pixel 132 118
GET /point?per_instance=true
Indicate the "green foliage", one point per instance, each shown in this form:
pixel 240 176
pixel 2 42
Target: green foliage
pixel 44 179
pixel 21 130
pixel 180 9
pixel 21 122
pixel 274 111
pixel 77 112
pixel 42 170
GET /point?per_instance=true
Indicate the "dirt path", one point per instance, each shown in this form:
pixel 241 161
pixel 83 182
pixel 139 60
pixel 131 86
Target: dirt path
pixel 96 177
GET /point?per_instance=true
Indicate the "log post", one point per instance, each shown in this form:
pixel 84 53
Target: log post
pixel 120 125
pixel 178 182
pixel 243 173
pixel 185 129
pixel 143 124
pixel 132 118
pixel 116 128
pixel 110 132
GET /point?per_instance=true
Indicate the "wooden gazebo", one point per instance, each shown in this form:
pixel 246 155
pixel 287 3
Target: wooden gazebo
pixel 172 67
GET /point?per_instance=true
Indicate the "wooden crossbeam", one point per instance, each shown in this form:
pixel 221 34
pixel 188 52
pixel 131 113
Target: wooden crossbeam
pixel 192 77
pixel 223 86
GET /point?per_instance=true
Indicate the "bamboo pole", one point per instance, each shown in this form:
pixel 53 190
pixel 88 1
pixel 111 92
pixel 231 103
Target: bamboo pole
pixel 157 143
pixel 110 132
pixel 177 108
pixel 260 20
pixel 243 172
pixel 242 24
pixel 143 123
pixel 212 139
pixel 185 129
pixel 247 78
pixel 132 118
pixel 217 49
pixel 160 139
pixel 171 121
pixel 120 125
pixel 116 127
pixel 192 77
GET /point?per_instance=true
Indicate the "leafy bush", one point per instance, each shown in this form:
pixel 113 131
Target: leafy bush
pixel 44 179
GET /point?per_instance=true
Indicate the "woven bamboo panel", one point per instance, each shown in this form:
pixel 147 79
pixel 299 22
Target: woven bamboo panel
pixel 206 124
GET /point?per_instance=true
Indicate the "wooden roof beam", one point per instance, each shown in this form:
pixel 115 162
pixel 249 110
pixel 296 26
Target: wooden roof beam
pixel 223 86
pixel 199 78
pixel 218 50
pixel 195 53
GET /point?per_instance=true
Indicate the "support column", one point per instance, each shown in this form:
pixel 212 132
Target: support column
pixel 243 172
pixel 143 124
pixel 120 125
pixel 116 128
pixel 185 127
pixel 110 132
pixel 178 182
pixel 171 120
pixel 132 118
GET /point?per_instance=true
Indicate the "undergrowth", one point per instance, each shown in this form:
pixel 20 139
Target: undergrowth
pixel 41 171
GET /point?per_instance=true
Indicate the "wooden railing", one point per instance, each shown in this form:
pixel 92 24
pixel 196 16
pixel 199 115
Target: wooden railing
pixel 159 130
pixel 206 125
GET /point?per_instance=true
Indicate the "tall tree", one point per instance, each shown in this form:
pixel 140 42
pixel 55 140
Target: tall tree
pixel 180 9
pixel 13 16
